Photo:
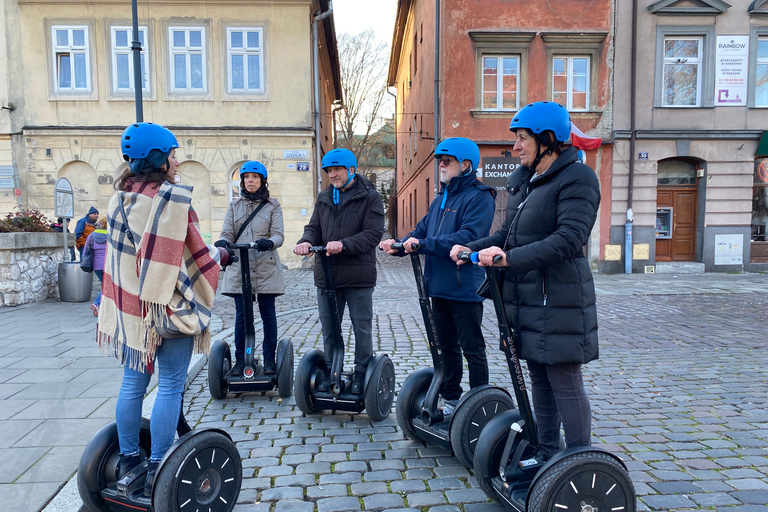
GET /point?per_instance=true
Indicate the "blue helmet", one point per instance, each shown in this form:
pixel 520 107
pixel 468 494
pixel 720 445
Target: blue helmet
pixel 339 157
pixel 541 116
pixel 253 166
pixel 461 149
pixel 141 138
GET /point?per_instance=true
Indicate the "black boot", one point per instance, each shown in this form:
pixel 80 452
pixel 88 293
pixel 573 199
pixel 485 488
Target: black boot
pixel 269 365
pixel 149 483
pixel 358 384
pixel 127 463
pixel 238 368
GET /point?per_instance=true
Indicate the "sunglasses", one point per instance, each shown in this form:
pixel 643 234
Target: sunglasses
pixel 445 160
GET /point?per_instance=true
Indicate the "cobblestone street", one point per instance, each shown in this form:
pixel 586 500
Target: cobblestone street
pixel 680 392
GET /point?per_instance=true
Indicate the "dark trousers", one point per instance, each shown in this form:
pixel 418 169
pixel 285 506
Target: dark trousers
pixel 266 303
pixel 559 397
pixel 360 302
pixel 458 330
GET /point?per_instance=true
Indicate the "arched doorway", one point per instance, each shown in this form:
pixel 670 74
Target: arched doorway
pixel 676 210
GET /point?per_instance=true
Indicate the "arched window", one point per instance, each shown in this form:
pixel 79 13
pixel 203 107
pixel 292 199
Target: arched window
pixel 676 171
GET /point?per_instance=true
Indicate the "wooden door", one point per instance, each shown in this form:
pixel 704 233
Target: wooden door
pixel 684 203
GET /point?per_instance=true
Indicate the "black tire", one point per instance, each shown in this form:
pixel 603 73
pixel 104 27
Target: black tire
pixel 410 400
pixel 310 372
pixel 98 464
pixel 205 472
pixel 380 390
pixel 219 365
pixel 591 478
pixel 471 417
pixel 285 372
pixel 490 449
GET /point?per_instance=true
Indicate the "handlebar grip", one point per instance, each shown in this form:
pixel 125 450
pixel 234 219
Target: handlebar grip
pixel 317 248
pixel 472 256
pixel 399 246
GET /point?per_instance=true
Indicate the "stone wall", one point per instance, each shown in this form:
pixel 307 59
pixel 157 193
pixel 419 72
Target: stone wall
pixel 29 266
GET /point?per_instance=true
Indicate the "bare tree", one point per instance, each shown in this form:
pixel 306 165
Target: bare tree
pixel 363 62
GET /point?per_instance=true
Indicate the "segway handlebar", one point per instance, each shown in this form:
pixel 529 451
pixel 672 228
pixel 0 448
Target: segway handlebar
pixel 249 245
pixel 400 246
pixel 474 258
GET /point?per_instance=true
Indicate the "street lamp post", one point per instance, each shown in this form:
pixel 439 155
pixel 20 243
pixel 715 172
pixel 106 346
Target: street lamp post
pixel 136 49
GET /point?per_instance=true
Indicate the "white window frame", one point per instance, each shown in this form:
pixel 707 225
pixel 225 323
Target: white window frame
pixel 706 78
pixel 500 82
pixel 115 51
pixel 757 35
pixel 187 50
pixel 569 81
pixel 245 52
pixel 72 50
pixel 671 61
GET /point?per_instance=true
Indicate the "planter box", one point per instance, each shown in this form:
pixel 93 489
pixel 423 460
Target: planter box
pixel 29 266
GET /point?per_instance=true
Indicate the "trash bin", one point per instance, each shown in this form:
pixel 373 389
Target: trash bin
pixel 74 284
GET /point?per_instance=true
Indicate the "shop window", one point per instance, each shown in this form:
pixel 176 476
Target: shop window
pixel 684 67
pixel 760 201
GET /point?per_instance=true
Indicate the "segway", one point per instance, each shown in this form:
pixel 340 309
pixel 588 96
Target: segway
pixel 417 409
pixel 202 470
pixel 220 378
pixel 584 479
pixel 378 391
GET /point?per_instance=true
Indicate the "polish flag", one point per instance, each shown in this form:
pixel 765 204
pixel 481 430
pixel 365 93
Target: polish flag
pixel 582 141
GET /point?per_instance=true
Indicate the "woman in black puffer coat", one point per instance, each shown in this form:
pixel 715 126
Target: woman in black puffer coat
pixel 548 290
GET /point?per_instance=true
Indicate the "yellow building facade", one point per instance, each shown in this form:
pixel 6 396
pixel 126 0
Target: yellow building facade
pixel 233 81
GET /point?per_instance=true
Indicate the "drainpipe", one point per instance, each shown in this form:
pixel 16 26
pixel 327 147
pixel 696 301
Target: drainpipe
pixel 437 92
pixel 633 130
pixel 333 116
pixel 319 16
pixel 393 229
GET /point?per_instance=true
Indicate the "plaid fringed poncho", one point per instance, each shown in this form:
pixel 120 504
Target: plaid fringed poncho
pixel 171 272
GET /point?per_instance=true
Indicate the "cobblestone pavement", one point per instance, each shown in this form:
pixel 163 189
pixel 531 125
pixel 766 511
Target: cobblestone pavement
pixel 680 392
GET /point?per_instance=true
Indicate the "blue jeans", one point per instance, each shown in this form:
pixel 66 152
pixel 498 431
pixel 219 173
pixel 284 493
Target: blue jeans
pixel 268 321
pixel 172 360
pixel 100 275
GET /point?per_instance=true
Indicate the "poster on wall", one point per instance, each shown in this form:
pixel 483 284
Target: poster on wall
pixel 731 61
pixel 729 249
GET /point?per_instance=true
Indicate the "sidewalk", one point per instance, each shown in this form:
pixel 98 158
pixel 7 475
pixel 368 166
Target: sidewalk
pixel 56 390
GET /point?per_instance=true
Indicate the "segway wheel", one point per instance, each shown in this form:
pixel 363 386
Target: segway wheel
pixel 98 464
pixel 410 400
pixel 472 415
pixel 380 390
pixel 587 480
pixel 203 473
pixel 310 372
pixel 219 365
pixel 285 372
pixel 490 450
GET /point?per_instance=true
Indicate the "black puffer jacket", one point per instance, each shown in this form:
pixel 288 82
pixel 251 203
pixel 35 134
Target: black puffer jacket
pixel 549 293
pixel 358 224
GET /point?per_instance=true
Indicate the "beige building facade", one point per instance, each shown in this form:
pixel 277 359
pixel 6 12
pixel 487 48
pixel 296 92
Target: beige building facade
pixel 690 137
pixel 233 80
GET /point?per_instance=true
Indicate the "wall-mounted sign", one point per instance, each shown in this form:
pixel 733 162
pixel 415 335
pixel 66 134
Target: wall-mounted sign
pixel 612 252
pixel 494 171
pixel 6 182
pixel 729 249
pixel 302 166
pixel 290 166
pixel 642 155
pixel 64 199
pixel 731 60
pixel 295 154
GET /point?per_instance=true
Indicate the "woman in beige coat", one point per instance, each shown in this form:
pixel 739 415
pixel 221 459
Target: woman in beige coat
pixel 266 229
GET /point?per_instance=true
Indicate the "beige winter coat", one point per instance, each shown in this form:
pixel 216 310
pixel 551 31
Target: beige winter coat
pixel 266 269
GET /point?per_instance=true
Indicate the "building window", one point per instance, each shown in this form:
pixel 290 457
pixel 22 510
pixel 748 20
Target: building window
pixel 501 82
pixel 760 201
pixel 71 59
pixel 761 69
pixel 188 73
pixel 415 136
pixel 685 67
pixel 122 59
pixel 682 72
pixel 570 82
pixel 245 70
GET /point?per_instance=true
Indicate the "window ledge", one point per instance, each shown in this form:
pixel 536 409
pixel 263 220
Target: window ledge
pixel 492 113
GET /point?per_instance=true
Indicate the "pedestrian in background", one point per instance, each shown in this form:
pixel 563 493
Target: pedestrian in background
pixel 255 217
pixel 548 290
pixel 84 227
pixel 97 242
pixel 60 227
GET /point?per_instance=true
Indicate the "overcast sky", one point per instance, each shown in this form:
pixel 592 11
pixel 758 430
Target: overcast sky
pixel 354 16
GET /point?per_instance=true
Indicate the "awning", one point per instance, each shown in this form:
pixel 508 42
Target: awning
pixel 762 147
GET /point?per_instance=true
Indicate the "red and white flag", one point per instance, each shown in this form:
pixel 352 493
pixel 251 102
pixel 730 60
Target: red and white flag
pixel 582 141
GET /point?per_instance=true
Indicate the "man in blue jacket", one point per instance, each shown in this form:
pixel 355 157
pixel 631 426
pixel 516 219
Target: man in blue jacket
pixel 463 211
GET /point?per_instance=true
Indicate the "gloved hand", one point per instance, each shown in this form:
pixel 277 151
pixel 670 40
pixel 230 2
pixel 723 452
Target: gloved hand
pixel 232 256
pixel 221 243
pixel 264 244
pixel 226 256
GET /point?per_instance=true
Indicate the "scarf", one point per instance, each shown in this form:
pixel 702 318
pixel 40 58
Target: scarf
pixel 170 274
pixel 256 197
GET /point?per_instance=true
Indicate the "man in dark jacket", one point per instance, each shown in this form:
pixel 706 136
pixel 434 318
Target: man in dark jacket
pixel 85 227
pixel 461 214
pixel 348 217
pixel 549 294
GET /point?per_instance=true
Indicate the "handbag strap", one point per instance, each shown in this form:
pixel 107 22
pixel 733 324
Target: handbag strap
pixel 248 220
pixel 128 231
